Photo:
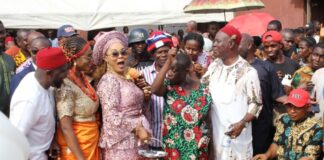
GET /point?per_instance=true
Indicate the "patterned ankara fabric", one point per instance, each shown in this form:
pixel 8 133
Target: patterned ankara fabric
pixel 185 132
pixel 19 58
pixel 302 75
pixel 296 140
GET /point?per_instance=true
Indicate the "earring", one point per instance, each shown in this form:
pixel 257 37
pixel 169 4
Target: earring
pixel 109 68
pixel 74 64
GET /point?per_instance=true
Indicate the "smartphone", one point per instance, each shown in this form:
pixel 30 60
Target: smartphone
pixel 315 108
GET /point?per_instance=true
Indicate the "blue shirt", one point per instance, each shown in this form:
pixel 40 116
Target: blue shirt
pixel 16 79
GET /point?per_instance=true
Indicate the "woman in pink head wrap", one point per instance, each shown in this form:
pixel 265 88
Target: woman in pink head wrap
pixel 122 101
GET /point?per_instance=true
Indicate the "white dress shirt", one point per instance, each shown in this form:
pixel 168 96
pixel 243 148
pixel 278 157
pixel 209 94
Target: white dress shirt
pixel 318 80
pixel 32 112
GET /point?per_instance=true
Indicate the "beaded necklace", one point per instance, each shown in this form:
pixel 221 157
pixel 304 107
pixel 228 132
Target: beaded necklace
pixel 83 84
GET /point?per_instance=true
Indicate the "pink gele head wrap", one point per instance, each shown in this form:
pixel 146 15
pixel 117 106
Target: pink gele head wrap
pixel 103 41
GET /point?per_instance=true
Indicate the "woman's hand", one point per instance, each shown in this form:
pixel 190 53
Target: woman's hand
pixel 70 137
pixel 142 134
pixel 140 82
pixel 147 92
pixel 200 71
pixel 54 150
pixel 172 53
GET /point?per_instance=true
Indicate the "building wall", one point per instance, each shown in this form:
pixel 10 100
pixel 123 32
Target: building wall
pixel 290 12
pixel 318 10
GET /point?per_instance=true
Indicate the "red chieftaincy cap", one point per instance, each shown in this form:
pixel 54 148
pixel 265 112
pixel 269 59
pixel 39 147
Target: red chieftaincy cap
pixel 9 39
pixel 298 97
pixel 275 36
pixel 50 58
pixel 232 31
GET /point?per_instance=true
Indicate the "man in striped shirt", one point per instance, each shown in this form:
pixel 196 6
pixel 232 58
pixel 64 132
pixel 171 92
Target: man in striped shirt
pixel 159 44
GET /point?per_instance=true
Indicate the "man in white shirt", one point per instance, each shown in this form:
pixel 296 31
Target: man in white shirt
pixel 318 78
pixel 32 104
pixel 235 89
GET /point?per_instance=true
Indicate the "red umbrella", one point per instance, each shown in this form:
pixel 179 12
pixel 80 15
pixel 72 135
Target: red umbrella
pixel 254 24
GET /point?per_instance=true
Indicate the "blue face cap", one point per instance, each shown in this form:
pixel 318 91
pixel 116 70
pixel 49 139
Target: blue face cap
pixel 66 31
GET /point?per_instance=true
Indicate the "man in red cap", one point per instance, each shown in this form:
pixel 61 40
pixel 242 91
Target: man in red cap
pixel 299 135
pixel 235 88
pixel 32 104
pixel 283 65
pixel 11 48
pixel 272 93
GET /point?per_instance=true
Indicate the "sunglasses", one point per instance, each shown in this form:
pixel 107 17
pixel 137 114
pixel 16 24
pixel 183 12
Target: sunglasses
pixel 116 54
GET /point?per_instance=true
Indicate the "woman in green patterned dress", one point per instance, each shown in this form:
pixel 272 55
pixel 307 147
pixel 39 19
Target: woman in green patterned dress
pixel 185 131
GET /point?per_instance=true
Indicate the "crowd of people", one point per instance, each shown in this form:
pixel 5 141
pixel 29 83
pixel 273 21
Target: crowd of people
pixel 222 94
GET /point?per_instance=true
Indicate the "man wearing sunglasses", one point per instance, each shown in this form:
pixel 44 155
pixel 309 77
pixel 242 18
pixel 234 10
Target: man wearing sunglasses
pixel 30 37
pixel 35 45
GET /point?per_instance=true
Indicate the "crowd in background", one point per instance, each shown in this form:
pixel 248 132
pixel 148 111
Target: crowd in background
pixel 219 95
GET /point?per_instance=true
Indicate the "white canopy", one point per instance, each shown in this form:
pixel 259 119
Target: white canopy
pixel 97 14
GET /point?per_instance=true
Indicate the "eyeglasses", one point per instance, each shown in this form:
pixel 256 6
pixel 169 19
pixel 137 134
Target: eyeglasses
pixel 116 54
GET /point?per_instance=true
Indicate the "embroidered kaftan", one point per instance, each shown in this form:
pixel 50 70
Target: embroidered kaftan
pixel 235 91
